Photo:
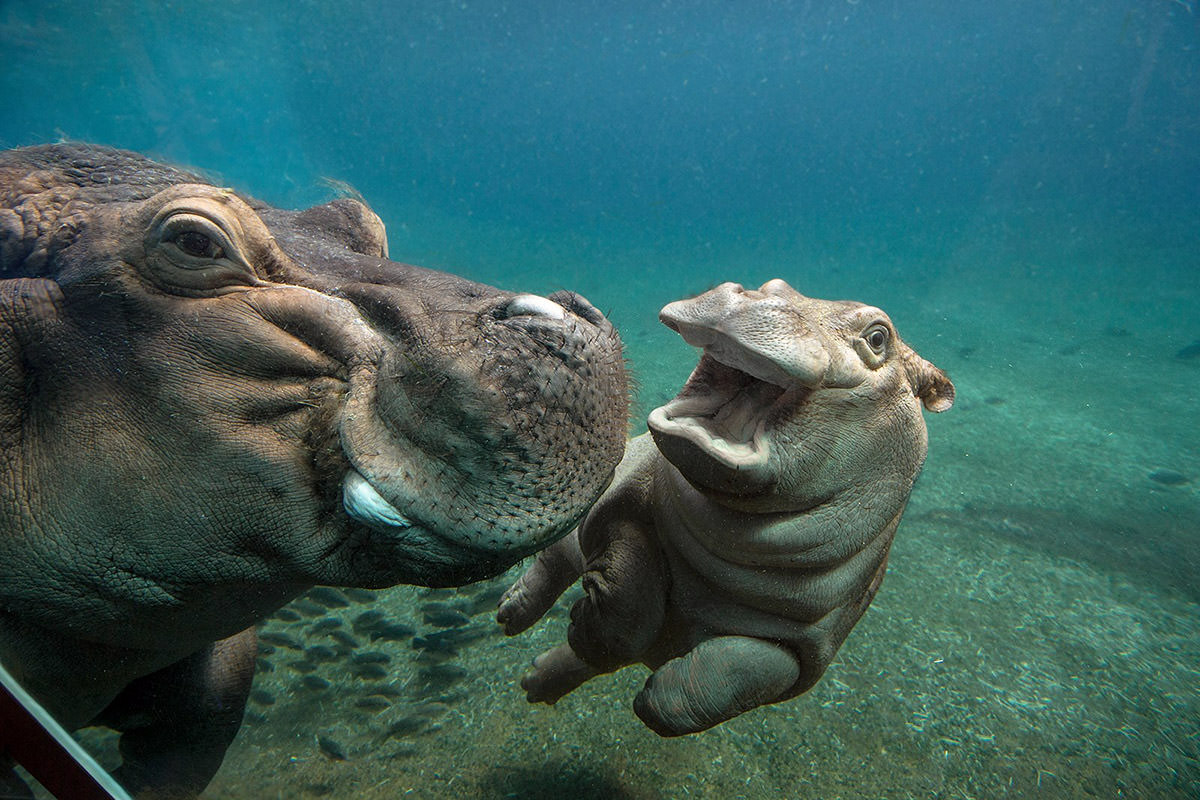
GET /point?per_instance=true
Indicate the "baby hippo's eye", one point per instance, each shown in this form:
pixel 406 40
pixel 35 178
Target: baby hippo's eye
pixel 876 337
pixel 197 244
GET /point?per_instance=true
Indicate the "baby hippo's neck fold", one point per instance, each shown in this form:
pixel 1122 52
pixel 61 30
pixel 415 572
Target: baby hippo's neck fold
pixel 814 539
pixel 797 566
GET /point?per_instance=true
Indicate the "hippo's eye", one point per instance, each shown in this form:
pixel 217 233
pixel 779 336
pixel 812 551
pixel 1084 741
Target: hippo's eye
pixel 197 244
pixel 196 247
pixel 876 338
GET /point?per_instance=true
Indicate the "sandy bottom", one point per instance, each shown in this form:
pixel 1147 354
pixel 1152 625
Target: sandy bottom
pixel 1038 633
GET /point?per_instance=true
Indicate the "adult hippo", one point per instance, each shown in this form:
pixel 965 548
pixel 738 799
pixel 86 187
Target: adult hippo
pixel 745 535
pixel 208 405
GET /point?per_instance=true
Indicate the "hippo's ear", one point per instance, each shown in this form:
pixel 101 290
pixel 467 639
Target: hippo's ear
pixel 351 221
pixel 929 384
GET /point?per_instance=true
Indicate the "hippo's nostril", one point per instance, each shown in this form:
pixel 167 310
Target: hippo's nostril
pixel 579 306
pixel 532 305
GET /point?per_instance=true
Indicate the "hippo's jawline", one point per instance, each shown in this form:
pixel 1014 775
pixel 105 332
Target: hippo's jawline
pixel 725 412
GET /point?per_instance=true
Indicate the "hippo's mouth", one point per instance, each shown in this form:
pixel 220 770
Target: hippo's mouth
pixel 442 561
pixel 465 457
pixel 725 408
pixel 364 504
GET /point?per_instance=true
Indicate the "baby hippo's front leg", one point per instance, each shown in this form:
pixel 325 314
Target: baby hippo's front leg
pixel 714 682
pixel 615 622
pixel 551 574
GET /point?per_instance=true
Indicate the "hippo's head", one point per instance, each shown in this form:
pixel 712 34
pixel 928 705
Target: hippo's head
pixel 204 397
pixel 795 399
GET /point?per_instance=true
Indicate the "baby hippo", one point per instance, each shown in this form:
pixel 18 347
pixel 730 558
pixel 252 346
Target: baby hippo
pixel 744 536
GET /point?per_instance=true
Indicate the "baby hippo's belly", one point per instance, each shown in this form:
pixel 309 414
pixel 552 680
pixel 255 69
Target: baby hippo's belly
pixel 713 596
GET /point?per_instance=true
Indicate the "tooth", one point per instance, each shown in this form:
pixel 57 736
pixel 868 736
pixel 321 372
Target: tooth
pixel 362 502
pixel 532 305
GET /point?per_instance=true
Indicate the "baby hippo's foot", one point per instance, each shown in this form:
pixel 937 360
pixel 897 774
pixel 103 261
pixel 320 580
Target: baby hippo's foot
pixel 716 681
pixel 520 606
pixel 555 673
pixel 527 600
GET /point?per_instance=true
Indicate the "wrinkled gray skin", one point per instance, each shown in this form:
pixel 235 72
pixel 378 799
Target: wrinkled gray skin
pixel 208 405
pixel 745 535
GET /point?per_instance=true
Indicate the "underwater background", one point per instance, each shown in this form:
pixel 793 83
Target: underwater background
pixel 1017 184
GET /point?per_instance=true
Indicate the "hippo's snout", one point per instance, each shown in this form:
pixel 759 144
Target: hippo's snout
pixel 484 438
pixel 755 331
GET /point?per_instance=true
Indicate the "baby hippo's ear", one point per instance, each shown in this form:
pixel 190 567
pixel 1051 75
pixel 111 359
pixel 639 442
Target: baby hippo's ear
pixel 929 383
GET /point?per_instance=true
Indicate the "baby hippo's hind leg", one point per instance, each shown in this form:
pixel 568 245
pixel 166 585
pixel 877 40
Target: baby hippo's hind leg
pixel 550 574
pixel 555 673
pixel 714 682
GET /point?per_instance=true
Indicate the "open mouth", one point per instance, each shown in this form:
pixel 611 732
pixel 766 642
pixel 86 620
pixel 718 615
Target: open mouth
pixel 725 409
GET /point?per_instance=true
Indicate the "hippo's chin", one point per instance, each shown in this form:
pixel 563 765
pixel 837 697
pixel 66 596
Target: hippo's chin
pixel 412 552
pixel 717 432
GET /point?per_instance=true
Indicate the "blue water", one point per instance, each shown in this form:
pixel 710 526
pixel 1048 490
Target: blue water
pixel 845 121
pixel 1017 183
